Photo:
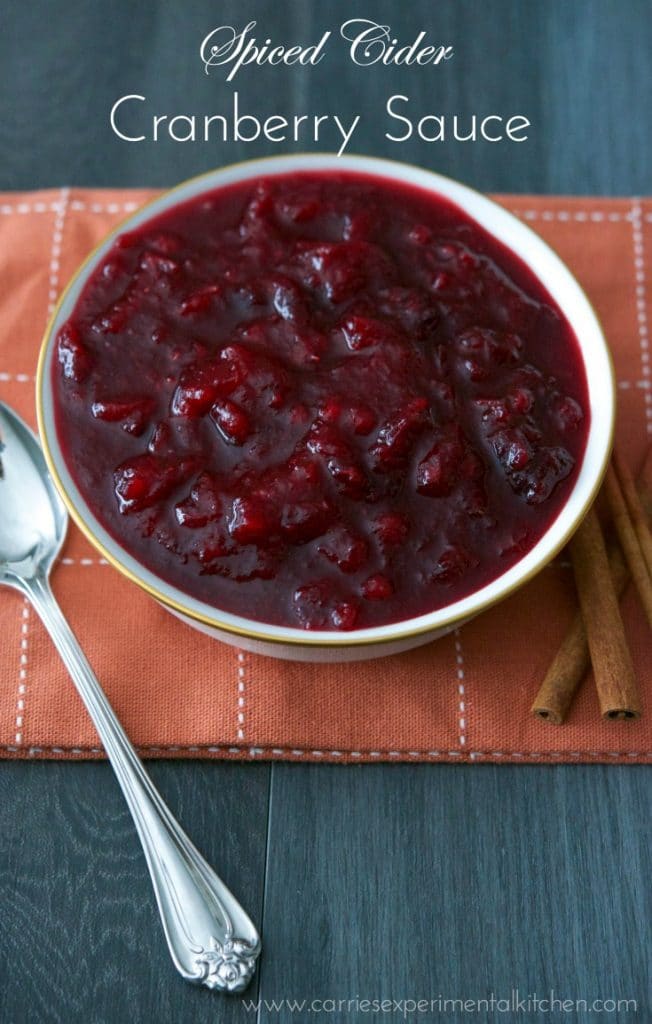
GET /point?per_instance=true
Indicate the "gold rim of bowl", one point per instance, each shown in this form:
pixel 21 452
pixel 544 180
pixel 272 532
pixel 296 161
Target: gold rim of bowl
pixel 257 631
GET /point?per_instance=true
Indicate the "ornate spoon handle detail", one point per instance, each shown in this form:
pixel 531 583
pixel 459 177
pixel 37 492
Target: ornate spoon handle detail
pixel 211 939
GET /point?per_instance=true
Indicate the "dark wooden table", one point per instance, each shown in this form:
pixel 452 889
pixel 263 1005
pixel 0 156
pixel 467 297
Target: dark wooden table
pixel 398 882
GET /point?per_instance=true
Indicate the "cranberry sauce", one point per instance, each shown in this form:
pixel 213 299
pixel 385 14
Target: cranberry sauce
pixel 325 400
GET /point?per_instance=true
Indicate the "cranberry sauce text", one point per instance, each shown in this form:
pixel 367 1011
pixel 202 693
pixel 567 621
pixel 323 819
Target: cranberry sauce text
pixel 325 401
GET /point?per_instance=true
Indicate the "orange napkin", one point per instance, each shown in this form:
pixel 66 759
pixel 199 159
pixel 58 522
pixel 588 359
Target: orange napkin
pixel 178 693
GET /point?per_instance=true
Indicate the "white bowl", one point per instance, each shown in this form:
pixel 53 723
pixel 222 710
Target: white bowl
pixel 297 644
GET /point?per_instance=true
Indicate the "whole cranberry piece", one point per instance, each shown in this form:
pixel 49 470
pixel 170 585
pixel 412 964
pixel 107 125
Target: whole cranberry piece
pixel 420 234
pixel 521 400
pixel 145 479
pixel 250 522
pixel 312 604
pixel 362 331
pixel 74 358
pixel 452 563
pixel 303 521
pixel 483 350
pixel 442 281
pixel 200 384
pixel 201 300
pixel 391 528
pixel 396 436
pixel 412 309
pixel 160 334
pixel 131 413
pixel 232 421
pixel 305 473
pixel 289 299
pixel 324 439
pixel 157 264
pixel 346 550
pixel 512 448
pixel 299 413
pixel 567 413
pixel 166 242
pixel 377 588
pixel 437 472
pixel 344 615
pixel 495 412
pixel 299 211
pixel 362 419
pixel 202 505
pixel 259 209
pixel 349 478
pixel 330 410
pixel 545 470
pixel 212 545
pixel 359 226
pixel 343 269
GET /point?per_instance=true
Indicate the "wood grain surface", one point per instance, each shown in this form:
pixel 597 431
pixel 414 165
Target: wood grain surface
pixel 402 882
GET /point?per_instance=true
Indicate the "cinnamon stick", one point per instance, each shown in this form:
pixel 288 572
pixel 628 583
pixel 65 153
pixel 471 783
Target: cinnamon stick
pixel 629 537
pixel 572 661
pixel 635 510
pixel 612 663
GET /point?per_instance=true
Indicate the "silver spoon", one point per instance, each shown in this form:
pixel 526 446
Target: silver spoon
pixel 211 939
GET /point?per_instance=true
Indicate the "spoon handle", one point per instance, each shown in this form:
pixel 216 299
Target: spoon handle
pixel 211 939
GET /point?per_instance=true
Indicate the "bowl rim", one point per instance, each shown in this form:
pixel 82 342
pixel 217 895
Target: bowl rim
pixel 475 204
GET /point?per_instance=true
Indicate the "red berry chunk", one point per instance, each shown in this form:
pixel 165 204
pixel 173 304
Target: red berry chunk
pixel 482 351
pixel 157 264
pixel 495 411
pixel 377 588
pixel 412 309
pixel 547 468
pixel 232 421
pixel 201 300
pixel 302 521
pixel 521 400
pixel 344 615
pixel 326 440
pixel 145 479
pixel 567 412
pixel 289 300
pixel 330 411
pixel 391 529
pixel 363 331
pixel 349 478
pixel 319 605
pixel 342 269
pixel 132 413
pixel 74 358
pixel 203 505
pixel 512 449
pixel 250 522
pixel 200 385
pixel 346 550
pixel 451 565
pixel 395 438
pixel 362 419
pixel 437 473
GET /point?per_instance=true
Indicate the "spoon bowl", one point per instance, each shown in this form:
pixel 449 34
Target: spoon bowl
pixel 34 520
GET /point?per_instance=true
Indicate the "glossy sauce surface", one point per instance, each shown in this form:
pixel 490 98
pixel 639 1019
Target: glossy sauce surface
pixel 320 400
